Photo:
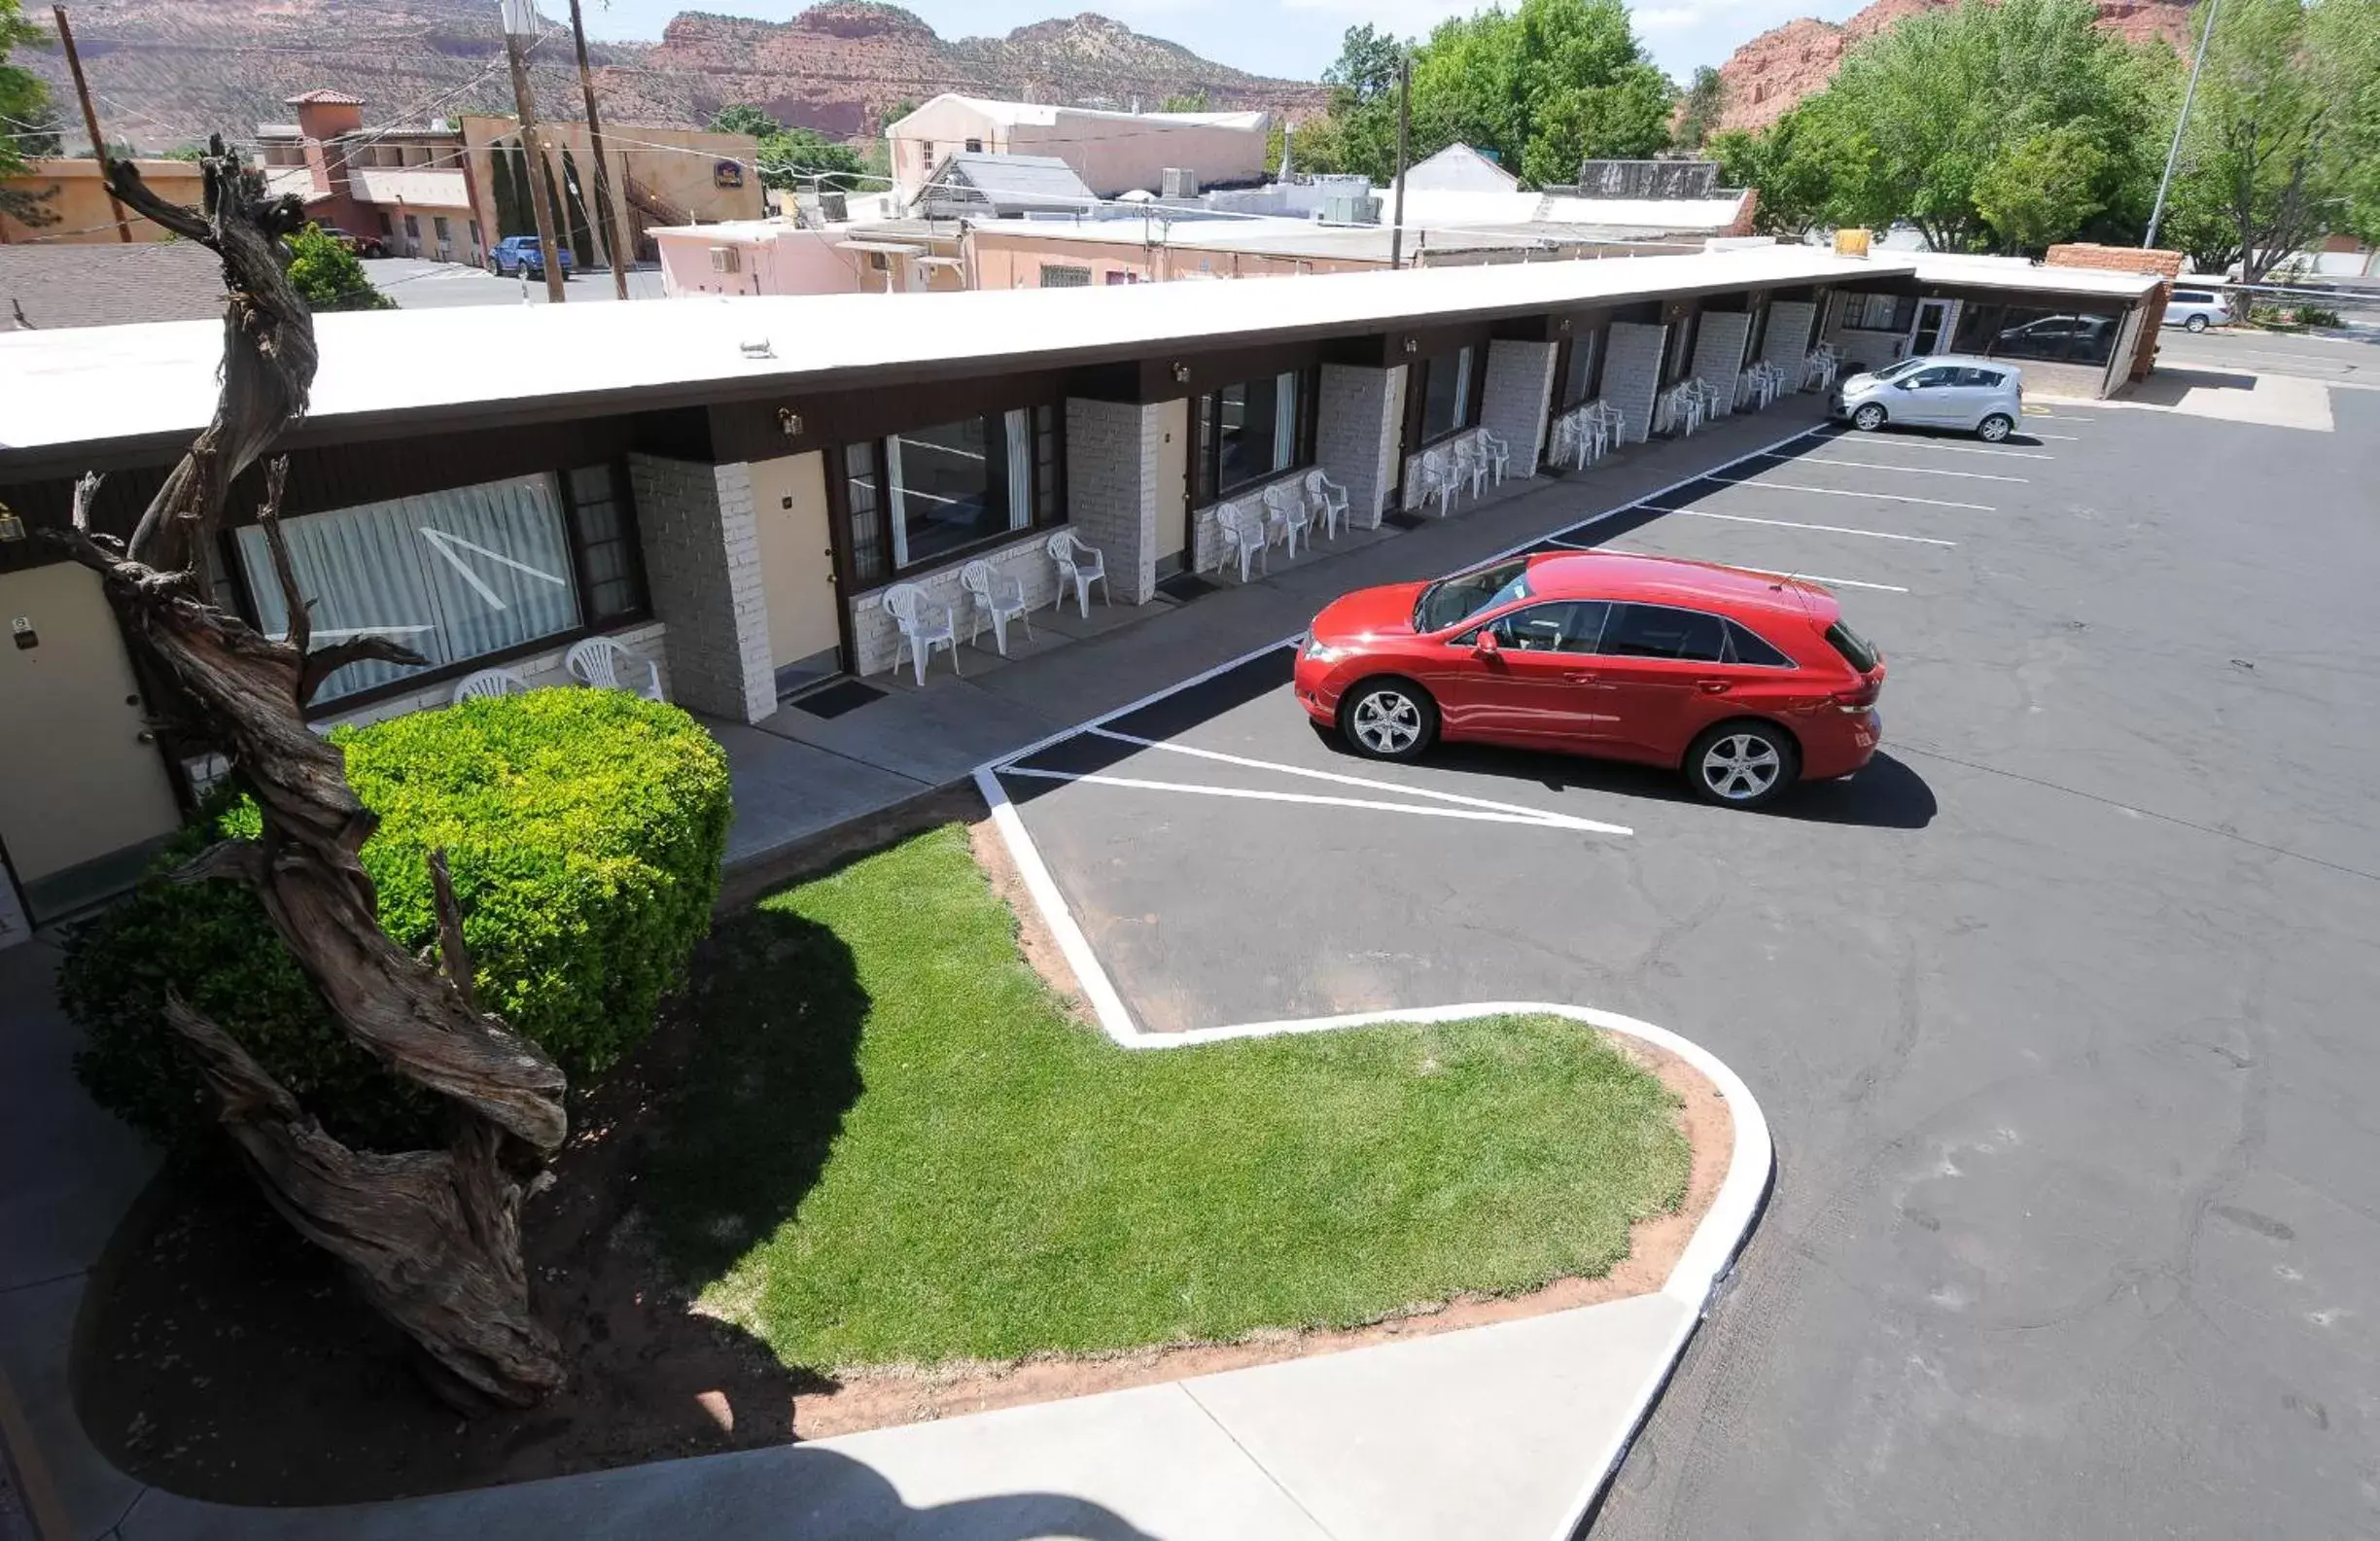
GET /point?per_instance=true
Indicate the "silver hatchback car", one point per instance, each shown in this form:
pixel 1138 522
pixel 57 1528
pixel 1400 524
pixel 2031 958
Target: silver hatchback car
pixel 1985 397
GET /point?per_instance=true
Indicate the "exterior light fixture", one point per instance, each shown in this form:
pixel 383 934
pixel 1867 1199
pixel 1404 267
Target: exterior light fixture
pixel 758 350
pixel 790 421
pixel 1181 375
pixel 1563 325
pixel 1413 345
pixel 12 528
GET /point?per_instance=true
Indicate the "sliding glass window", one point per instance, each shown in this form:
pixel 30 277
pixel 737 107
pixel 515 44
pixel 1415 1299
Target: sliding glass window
pixel 917 498
pixel 1254 430
pixel 456 575
pixel 1446 395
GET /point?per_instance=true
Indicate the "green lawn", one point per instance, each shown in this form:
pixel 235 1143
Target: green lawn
pixel 895 1146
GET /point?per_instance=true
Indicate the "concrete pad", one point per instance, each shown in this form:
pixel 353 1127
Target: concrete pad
pixel 1490 1432
pixel 931 736
pixel 2234 395
pixel 1123 1466
pixel 786 790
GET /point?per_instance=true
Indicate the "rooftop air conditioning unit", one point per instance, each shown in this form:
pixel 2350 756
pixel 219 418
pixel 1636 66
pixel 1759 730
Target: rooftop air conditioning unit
pixel 1347 208
pixel 726 260
pixel 835 206
pixel 1179 182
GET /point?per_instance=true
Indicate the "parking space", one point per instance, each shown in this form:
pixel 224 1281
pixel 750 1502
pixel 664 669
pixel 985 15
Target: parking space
pixel 2055 1009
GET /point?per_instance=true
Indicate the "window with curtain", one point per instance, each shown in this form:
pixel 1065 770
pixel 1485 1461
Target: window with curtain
pixel 1879 312
pixel 915 497
pixel 454 576
pixel 1254 430
pixel 1446 395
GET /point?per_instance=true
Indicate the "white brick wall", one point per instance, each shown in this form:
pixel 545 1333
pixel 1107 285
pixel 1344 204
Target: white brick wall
pixel 1513 404
pixel 877 639
pixel 1356 434
pixel 1112 489
pixel 1788 338
pixel 1719 353
pixel 702 563
pixel 1632 375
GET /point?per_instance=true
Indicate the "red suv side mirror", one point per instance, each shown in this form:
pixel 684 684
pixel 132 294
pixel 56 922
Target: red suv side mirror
pixel 1484 645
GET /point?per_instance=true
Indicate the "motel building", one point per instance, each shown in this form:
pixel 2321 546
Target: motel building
pixel 728 486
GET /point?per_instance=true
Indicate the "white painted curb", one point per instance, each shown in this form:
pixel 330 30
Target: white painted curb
pixel 1710 1254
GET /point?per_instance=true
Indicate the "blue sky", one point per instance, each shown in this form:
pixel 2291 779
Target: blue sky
pixel 1296 38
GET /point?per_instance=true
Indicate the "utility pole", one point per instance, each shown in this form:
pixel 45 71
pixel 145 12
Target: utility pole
pixel 1396 231
pixel 608 220
pixel 520 19
pixel 2157 216
pixel 90 119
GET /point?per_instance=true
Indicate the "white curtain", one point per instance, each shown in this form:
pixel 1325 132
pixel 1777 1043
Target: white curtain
pixel 1020 469
pixel 897 500
pixel 1285 421
pixel 1463 389
pixel 452 575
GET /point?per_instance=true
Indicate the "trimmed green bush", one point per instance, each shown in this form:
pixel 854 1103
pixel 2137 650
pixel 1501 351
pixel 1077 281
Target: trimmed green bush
pixel 583 829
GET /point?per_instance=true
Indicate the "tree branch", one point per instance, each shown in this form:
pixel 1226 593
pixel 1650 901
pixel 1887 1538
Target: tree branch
pixel 299 628
pixel 323 662
pixel 454 954
pixel 243 859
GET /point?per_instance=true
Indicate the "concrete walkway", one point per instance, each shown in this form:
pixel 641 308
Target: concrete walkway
pixel 797 775
pixel 1500 1431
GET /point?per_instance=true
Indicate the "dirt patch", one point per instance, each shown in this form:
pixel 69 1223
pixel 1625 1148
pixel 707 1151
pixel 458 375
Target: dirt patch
pixel 219 1356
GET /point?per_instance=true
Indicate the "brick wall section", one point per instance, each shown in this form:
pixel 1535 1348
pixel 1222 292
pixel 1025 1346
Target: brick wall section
pixel 1719 353
pixel 1632 375
pixel 1788 338
pixel 1512 402
pixel 1356 432
pixel 702 563
pixel 1112 490
pixel 2165 265
pixel 877 639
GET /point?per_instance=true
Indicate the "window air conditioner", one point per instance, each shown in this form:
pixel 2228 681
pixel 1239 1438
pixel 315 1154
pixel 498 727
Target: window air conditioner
pixel 726 260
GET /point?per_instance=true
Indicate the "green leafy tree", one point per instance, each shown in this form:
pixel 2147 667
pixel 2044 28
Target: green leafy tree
pixel 744 118
pixel 1184 102
pixel 579 237
pixel 1699 112
pixel 328 275
pixel 187 152
pixel 1951 110
pixel 2283 135
pixel 27 127
pixel 1366 69
pixel 508 167
pixel 792 158
pixel 2044 187
pixel 1544 87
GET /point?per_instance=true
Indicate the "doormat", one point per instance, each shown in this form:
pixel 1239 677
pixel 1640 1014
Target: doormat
pixel 838 698
pixel 1185 586
pixel 1405 519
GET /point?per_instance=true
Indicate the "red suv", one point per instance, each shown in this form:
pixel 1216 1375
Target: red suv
pixel 1746 682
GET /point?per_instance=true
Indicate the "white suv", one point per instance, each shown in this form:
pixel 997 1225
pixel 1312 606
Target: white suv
pixel 2197 309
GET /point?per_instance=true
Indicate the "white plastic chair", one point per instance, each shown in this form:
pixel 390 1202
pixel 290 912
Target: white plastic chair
pixel 488 684
pixel 1470 466
pixel 1079 566
pixel 997 596
pixel 923 626
pixel 1245 532
pixel 1328 500
pixel 607 665
pixel 1818 371
pixel 1437 479
pixel 1494 454
pixel 1606 422
pixel 1286 511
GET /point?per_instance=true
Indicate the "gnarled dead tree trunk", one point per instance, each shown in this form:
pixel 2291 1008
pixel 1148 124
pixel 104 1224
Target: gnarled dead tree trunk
pixel 433 1236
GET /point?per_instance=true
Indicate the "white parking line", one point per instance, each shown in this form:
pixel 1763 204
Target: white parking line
pixel 1887 441
pixel 1813 578
pixel 1789 524
pixel 1845 492
pixel 1907 470
pixel 1338 776
pixel 2056 417
pixel 1510 816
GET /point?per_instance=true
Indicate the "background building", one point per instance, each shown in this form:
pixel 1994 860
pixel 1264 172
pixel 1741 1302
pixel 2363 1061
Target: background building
pixel 1114 153
pixel 72 191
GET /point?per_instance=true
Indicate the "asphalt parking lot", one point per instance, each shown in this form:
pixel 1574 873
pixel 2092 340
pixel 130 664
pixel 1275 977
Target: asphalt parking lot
pixel 2061 1012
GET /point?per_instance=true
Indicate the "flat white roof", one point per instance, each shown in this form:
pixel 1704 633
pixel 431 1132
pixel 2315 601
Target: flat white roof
pixel 2016 272
pixel 1048 113
pixel 101 385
